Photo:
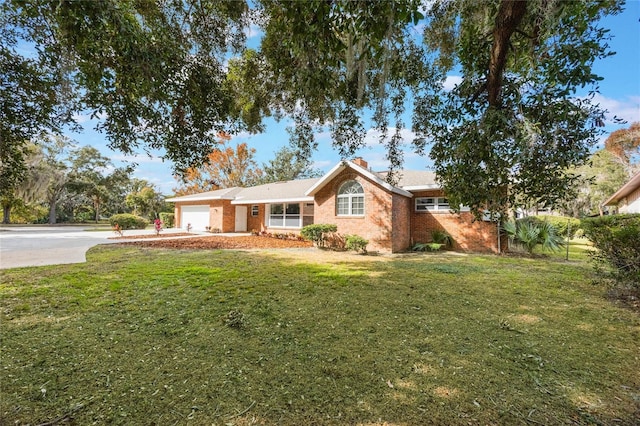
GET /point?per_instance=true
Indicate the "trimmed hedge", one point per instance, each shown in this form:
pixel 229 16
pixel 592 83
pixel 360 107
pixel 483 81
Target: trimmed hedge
pixel 617 239
pixel 314 232
pixel 325 235
pixel 128 221
pixel 561 224
pixel 356 243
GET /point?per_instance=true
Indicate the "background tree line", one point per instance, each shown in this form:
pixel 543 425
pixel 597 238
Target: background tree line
pixel 66 183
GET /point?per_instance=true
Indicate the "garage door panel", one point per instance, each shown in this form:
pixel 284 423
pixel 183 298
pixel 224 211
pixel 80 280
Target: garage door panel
pixel 197 216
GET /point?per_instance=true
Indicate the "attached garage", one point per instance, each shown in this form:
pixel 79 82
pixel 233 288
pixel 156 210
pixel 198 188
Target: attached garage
pixel 197 216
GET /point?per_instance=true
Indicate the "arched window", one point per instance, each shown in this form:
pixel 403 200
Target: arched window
pixel 350 199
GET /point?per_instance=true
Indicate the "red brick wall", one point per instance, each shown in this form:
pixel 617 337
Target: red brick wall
pixel 375 225
pixel 256 222
pixel 468 235
pixel 228 218
pixel 401 222
pixel 176 215
pixel 216 219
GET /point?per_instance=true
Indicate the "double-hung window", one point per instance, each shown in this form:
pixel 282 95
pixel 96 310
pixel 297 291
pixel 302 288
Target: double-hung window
pixel 350 199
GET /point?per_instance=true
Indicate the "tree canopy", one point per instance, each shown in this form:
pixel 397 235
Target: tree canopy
pixel 288 165
pixel 153 72
pixel 510 130
pixel 624 145
pixel 225 167
pixel 173 75
pixel 599 179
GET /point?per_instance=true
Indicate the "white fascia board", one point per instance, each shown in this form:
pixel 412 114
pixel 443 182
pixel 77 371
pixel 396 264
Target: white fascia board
pixel 400 191
pixel 625 190
pixel 275 200
pixel 326 178
pixel 203 198
pixel 421 187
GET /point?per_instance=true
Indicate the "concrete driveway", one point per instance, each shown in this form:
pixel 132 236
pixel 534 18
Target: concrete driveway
pixel 53 245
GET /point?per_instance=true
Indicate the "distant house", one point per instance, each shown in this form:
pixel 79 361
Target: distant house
pixel 356 199
pixel 627 198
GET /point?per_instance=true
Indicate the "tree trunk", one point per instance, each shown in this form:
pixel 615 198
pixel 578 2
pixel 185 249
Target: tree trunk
pixel 509 17
pixel 96 206
pixel 6 214
pixel 52 213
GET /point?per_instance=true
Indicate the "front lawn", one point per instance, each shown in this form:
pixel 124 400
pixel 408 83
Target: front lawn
pixel 146 336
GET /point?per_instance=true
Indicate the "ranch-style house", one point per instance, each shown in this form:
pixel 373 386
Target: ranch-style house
pixel 359 201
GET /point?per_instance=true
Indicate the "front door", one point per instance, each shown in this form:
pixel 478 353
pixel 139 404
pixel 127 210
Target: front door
pixel 241 218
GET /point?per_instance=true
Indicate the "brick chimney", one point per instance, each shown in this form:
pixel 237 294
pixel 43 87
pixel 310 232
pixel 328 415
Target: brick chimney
pixel 360 162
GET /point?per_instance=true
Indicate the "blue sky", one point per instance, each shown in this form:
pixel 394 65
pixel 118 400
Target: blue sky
pixel 619 94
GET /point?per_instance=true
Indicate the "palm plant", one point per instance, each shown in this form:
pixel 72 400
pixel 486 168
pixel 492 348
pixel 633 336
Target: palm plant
pixel 549 238
pixel 441 237
pixel 528 233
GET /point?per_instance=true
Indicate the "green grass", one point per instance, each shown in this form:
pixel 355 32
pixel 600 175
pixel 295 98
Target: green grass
pixel 159 337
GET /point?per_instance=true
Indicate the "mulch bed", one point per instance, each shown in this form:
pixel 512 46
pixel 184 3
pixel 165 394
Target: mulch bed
pixel 216 242
pixel 141 237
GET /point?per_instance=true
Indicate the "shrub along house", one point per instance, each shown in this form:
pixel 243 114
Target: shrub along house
pixel 356 199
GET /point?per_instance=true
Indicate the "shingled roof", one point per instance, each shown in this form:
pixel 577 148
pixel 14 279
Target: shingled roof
pixel 302 190
pixel 278 192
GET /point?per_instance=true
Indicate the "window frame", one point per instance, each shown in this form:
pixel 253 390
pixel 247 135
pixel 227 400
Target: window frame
pixel 255 210
pixel 354 200
pixel 438 204
pixel 283 216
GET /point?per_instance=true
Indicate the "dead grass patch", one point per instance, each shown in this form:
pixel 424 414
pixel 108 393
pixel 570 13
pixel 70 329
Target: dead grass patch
pixel 527 319
pixel 446 392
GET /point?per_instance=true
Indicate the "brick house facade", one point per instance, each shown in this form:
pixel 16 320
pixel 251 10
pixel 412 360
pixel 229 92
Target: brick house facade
pixel 391 217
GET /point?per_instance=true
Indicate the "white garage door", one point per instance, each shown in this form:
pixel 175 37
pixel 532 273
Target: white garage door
pixel 197 216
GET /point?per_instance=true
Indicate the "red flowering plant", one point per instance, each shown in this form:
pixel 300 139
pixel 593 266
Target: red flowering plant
pixel 157 224
pixel 117 229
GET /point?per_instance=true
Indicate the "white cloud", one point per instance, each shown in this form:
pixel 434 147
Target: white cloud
pixel 322 164
pixel 241 137
pixel 377 161
pixel 164 186
pixel 138 158
pixel 323 136
pixel 372 138
pixel 85 118
pixel 627 108
pixel 451 81
pixel 253 31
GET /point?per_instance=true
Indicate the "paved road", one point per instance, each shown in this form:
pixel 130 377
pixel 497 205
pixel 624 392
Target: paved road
pixel 51 245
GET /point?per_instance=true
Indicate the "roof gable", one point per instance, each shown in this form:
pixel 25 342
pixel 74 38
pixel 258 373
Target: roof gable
pixel 338 168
